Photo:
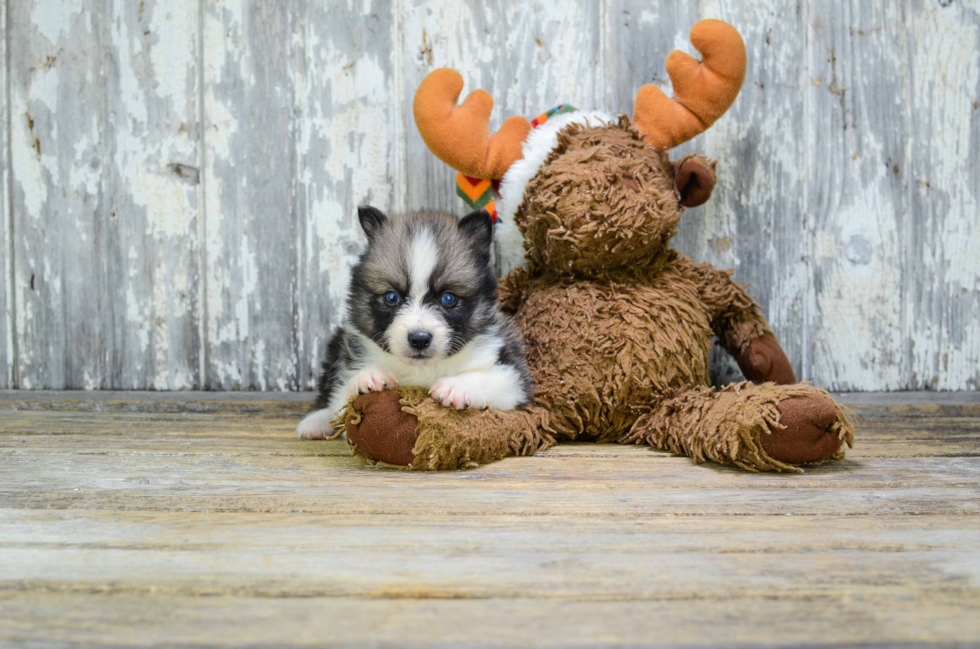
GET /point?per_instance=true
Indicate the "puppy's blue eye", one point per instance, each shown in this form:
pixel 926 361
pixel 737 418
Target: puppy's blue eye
pixel 448 299
pixel 392 297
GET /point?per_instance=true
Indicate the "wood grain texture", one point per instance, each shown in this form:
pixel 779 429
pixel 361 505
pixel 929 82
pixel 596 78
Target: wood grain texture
pixel 152 181
pixel 348 124
pixel 181 527
pixel 182 176
pixel 236 462
pixel 6 225
pixel 857 132
pixel 479 557
pixel 944 188
pixel 249 196
pixel 92 620
pixel 57 118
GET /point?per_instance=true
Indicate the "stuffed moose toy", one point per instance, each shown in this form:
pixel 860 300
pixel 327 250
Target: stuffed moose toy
pixel 617 325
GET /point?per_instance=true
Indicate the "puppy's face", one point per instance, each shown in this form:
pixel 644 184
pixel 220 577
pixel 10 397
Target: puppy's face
pixel 424 286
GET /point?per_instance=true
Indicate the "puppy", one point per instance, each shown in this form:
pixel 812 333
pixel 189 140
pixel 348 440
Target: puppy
pixel 422 311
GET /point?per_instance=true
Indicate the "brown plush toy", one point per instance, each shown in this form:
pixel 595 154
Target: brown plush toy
pixel 617 324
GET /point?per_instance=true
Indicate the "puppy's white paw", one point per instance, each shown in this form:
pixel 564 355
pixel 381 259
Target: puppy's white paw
pixel 458 393
pixel 316 425
pixel 374 380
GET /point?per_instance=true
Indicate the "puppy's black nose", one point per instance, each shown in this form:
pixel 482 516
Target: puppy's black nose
pixel 419 339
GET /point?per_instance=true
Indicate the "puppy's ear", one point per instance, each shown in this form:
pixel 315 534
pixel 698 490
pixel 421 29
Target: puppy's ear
pixel 371 219
pixel 478 227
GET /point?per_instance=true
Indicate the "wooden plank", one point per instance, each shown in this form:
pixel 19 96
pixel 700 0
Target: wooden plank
pixel 857 121
pixel 249 202
pixel 525 56
pixel 890 436
pixel 7 337
pixel 57 122
pixel 908 399
pixel 265 427
pixel 85 619
pixel 488 557
pixel 106 105
pixel 652 484
pixel 348 121
pixel 193 526
pixel 943 271
pixel 289 403
pixel 94 130
pixel 152 193
pixel 862 404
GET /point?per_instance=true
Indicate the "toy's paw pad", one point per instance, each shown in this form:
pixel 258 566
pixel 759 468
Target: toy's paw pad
pixel 374 380
pixel 316 425
pixel 383 431
pixel 806 436
pixel 457 393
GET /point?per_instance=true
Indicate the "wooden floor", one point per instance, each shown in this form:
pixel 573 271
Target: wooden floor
pixel 195 519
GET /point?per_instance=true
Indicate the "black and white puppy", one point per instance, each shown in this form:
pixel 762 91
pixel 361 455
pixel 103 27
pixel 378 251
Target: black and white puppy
pixel 422 311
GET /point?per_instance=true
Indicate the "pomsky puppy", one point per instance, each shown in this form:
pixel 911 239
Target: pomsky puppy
pixel 422 310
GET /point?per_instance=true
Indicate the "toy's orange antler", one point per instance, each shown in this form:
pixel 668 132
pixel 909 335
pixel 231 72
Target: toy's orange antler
pixel 460 135
pixel 703 90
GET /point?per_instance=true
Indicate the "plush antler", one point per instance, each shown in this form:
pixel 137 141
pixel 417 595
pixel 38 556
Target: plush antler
pixel 703 90
pixel 460 135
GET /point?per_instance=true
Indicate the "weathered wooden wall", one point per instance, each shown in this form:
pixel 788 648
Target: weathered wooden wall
pixel 180 176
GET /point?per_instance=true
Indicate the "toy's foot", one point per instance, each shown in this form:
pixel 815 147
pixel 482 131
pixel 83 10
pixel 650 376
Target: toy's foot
pixel 764 427
pixel 407 428
pixel 807 436
pixel 383 431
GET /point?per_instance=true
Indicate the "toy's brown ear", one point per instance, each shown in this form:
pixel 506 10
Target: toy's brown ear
pixel 695 178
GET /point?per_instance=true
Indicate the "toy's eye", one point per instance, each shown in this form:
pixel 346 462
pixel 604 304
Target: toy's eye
pixel 448 299
pixel 392 298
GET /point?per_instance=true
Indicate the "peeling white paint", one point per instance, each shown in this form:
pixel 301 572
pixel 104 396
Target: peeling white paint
pixel 54 20
pixel 174 26
pixel 945 192
pixel 7 332
pixel 869 273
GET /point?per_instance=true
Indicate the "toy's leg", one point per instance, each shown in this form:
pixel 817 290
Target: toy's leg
pixel 406 428
pixel 764 427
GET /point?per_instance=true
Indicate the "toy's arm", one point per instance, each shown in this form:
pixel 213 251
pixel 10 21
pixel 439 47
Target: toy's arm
pixel 742 330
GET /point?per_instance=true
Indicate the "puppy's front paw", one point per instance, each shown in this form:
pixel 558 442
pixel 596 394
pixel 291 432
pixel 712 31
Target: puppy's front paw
pixel 457 393
pixel 374 380
pixel 316 425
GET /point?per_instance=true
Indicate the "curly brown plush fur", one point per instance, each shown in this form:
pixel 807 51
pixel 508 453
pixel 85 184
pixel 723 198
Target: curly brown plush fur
pixel 603 201
pixel 618 326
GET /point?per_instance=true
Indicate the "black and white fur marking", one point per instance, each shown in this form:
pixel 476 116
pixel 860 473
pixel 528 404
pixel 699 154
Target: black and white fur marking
pixel 462 348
